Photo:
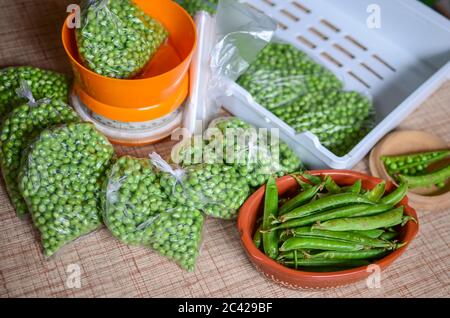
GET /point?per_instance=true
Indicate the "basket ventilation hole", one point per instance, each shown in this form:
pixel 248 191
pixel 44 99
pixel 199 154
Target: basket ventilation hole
pixel 359 79
pixel 331 59
pixel 253 7
pixel 389 66
pixel 301 7
pixel 269 2
pixel 343 50
pixel 355 42
pixel 290 15
pixel 306 42
pixel 318 33
pixel 371 70
pixel 282 25
pixel 330 25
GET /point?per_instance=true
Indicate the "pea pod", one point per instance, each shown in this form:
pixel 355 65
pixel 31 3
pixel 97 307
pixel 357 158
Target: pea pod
pixel 389 235
pixel 363 223
pixel 355 188
pixel 257 238
pixel 414 163
pixel 371 233
pixel 330 202
pixel 377 192
pixel 299 199
pixel 331 186
pixel 296 243
pixel 347 211
pixel 395 196
pixel 438 177
pixel 327 262
pixel 270 239
pixel 363 254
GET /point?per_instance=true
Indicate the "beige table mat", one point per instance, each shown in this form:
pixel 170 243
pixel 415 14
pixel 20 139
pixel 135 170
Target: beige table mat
pixel 29 35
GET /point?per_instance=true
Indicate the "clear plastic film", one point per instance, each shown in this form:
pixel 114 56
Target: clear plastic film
pixel 137 211
pixel 216 189
pixel 41 83
pixel 116 38
pixel 61 179
pixel 308 97
pixel 19 127
pixel 228 43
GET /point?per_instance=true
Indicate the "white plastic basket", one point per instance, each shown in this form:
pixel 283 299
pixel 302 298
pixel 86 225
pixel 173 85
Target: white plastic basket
pixel 400 64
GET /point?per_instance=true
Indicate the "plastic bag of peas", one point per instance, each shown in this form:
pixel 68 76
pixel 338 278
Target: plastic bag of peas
pixel 116 38
pixel 194 6
pixel 42 83
pixel 61 178
pixel 138 212
pixel 216 189
pixel 18 129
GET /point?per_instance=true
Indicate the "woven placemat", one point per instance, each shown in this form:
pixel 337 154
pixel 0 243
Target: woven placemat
pixel 29 35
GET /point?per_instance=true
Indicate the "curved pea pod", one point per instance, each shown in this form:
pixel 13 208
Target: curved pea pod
pixel 364 254
pixel 257 237
pixel 331 186
pixel 296 243
pixel 377 192
pixel 326 262
pixel 395 196
pixel 329 202
pixel 270 239
pixel 438 177
pixel 389 235
pixel 355 188
pixel 413 163
pixel 299 199
pixel 381 220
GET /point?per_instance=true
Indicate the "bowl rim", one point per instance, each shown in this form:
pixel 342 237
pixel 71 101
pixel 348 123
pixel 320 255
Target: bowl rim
pixel 253 252
pixel 188 58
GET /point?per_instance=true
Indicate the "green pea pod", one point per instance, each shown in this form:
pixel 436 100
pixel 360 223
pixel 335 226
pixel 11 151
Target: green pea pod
pixel 371 233
pixel 270 239
pixel 295 243
pixel 363 223
pixel 331 186
pixel 299 199
pixel 341 212
pixel 428 180
pixel 315 180
pixel 373 210
pixel 377 192
pixel 355 188
pixel 330 202
pixel 327 262
pixel 395 196
pixel 257 238
pixel 304 185
pixel 389 235
pixel 364 254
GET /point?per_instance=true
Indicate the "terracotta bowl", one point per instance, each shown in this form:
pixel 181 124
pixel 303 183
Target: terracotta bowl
pixel 252 210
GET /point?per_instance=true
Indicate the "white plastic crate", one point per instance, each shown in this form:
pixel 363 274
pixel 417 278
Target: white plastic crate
pixel 399 64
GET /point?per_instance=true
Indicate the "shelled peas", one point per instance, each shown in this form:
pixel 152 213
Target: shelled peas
pixel 138 212
pixel 117 38
pixel 43 84
pixel 308 97
pixel 18 130
pixel 60 180
pixel 216 189
pixel 194 6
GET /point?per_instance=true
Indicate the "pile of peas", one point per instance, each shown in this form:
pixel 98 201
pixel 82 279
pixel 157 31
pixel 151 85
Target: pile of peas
pixel 43 84
pixel 308 97
pixel 194 6
pixel 61 181
pixel 138 212
pixel 215 189
pixel 117 39
pixel 326 227
pixel 414 169
pixel 18 129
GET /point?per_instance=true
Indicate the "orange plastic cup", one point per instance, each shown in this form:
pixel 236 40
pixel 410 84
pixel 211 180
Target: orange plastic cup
pixel 162 85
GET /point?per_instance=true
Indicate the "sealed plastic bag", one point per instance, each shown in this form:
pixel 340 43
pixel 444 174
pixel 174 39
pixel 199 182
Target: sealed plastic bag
pixel 116 38
pixel 255 154
pixel 43 84
pixel 194 6
pixel 215 189
pixel 138 212
pixel 61 180
pixel 19 128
